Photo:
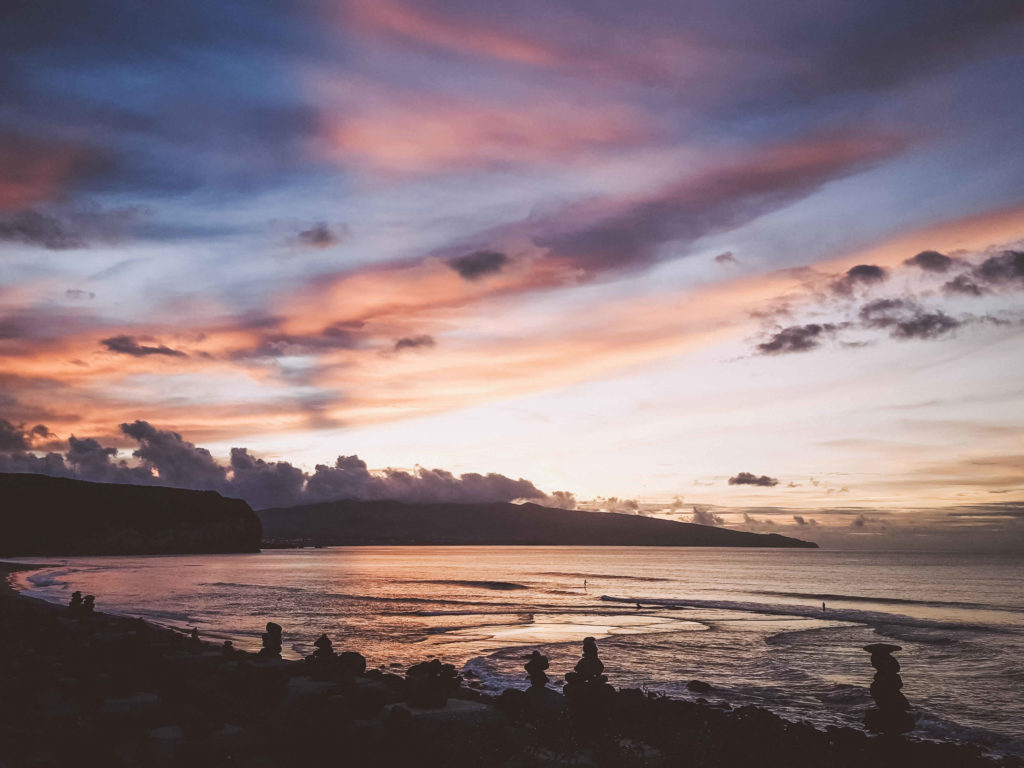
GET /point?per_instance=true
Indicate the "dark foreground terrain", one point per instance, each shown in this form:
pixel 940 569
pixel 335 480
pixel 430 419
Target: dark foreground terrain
pixel 42 515
pixel 84 688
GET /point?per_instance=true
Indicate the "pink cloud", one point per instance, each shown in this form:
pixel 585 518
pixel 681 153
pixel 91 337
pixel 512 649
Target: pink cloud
pixel 418 136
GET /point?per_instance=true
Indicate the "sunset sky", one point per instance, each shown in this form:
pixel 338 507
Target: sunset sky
pixel 625 250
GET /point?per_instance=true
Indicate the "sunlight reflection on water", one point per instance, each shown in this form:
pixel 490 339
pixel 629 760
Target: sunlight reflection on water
pixel 748 621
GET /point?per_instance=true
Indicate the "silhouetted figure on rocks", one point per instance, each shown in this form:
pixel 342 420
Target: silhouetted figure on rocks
pixel 271 642
pixel 194 637
pixel 890 715
pixel 75 606
pixel 586 689
pixel 535 668
pixel 430 683
pixel 227 650
pixel 89 604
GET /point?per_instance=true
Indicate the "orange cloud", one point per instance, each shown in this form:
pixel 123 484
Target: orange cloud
pixel 489 345
pixel 972 233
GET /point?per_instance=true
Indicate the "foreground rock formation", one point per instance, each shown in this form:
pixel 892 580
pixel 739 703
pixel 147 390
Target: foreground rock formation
pixel 97 690
pixel 42 515
pixel 891 714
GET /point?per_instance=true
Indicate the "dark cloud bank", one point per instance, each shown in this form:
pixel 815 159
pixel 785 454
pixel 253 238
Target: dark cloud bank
pixel 931 261
pixel 1005 270
pixel 129 345
pixel 862 274
pixel 478 264
pixel 904 318
pixel 322 235
pixel 165 458
pixel 796 338
pixel 69 228
pixel 749 478
pixel 414 342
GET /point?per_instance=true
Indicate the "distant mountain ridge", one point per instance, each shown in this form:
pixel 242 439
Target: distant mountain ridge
pixel 354 522
pixel 41 515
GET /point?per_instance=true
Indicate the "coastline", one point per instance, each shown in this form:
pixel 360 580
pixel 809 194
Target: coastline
pixel 110 689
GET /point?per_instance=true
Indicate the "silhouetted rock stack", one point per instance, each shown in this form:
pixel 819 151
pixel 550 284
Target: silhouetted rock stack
pixel 324 648
pixel 430 683
pixel 323 657
pixel 75 606
pixel 890 716
pixel 271 642
pixel 535 669
pixel 89 604
pixel 586 689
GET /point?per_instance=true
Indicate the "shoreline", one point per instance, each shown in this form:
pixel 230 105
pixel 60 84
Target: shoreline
pixel 127 692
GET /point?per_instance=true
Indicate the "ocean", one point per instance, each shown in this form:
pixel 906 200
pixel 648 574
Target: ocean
pixel 747 621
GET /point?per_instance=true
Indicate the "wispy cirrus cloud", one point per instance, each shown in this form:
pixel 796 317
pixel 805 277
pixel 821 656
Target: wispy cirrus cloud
pixel 453 135
pixel 408 23
pixel 796 338
pixel 607 151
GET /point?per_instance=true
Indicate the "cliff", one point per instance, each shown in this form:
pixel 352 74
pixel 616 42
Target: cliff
pixel 353 522
pixel 56 516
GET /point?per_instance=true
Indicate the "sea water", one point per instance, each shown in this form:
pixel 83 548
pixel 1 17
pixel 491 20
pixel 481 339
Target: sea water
pixel 748 621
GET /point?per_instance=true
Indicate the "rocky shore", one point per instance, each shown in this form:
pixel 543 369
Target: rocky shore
pixel 78 687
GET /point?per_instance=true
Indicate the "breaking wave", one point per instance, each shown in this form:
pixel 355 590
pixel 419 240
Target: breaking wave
pixel 872 618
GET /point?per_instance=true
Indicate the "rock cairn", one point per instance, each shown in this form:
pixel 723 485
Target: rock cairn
pixel 323 660
pixel 324 648
pixel 535 668
pixel 890 714
pixel 271 642
pixel 586 689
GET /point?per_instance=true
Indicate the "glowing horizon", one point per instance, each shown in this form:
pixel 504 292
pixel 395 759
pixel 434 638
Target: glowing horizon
pixel 617 254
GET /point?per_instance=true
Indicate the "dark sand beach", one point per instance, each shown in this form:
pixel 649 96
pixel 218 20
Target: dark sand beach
pixel 87 688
